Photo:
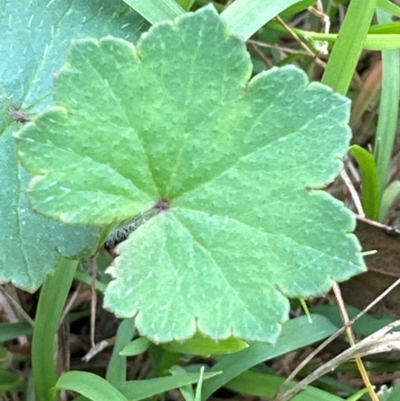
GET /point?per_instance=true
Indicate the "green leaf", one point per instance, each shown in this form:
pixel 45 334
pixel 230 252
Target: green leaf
pixel 395 393
pixel 389 6
pixel 246 17
pixel 390 194
pixel 201 345
pixel 116 369
pixel 186 391
pixel 222 168
pixel 136 347
pixel 357 396
pixel 369 179
pixel 388 112
pixel 348 46
pixel 28 65
pixel 89 385
pixel 35 35
pixel 10 331
pixel 265 385
pixel 52 299
pixel 385 28
pixel 298 7
pixel 296 333
pixel 31 245
pixel 186 4
pixel 10 381
pixel 140 389
pixel 156 10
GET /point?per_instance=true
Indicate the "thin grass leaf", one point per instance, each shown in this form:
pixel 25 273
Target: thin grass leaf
pixel 246 17
pixel 296 333
pixel 359 394
pixel 348 46
pixel 156 10
pixel 51 303
pixel 186 4
pixel 370 194
pixel 116 370
pixel 388 110
pixel 89 385
pixel 139 389
pixel 9 331
pixel 136 347
pixel 390 194
pixel 390 7
pixel 266 385
pixel 197 396
pixel 186 391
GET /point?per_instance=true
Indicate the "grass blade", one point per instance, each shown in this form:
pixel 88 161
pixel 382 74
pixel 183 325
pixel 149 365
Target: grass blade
pixel 296 333
pixel 370 195
pixel 245 17
pixel 388 110
pixel 89 385
pixel 156 10
pixel 51 303
pixel 140 389
pixel 348 46
pixel 116 370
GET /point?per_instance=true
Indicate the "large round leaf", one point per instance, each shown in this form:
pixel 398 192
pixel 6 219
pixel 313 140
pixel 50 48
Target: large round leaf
pixel 232 169
pixel 35 36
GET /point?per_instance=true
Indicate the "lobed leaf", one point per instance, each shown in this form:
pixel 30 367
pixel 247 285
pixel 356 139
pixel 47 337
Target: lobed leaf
pixel 230 169
pixel 32 48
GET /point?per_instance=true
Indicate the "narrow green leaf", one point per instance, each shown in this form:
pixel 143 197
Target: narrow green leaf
pixel 298 7
pixel 186 4
pixel 365 325
pixel 186 391
pixel 246 17
pixel 116 369
pixel 140 389
pixel 10 381
pixel 51 303
pixel 388 111
pixel 390 7
pixel 199 386
pixel 357 396
pixel 296 333
pixel 390 194
pixel 265 385
pixel 369 179
pixel 156 10
pixel 348 46
pixel 9 331
pixel 136 347
pixel 91 386
pixel 385 28
pixel 201 345
pixel 30 394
